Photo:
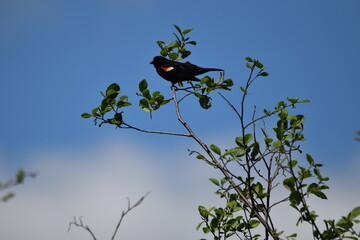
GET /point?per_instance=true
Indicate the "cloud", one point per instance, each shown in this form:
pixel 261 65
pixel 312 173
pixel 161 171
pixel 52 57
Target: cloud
pixel 95 184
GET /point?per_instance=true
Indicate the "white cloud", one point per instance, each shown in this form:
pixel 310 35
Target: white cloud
pixel 95 183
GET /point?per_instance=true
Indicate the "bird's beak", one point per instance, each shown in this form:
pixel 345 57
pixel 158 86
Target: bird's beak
pixel 152 62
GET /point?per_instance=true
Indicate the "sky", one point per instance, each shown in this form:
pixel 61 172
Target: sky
pixel 56 56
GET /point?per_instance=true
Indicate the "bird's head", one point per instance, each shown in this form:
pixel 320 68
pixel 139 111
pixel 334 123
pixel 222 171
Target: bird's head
pixel 159 61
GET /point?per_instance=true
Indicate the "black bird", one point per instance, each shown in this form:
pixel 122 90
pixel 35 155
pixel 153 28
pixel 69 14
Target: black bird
pixel 177 72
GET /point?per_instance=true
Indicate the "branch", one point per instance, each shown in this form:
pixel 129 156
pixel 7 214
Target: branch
pixel 18 179
pixel 128 126
pixel 268 115
pixel 127 211
pixel 232 106
pixel 80 224
pixel 217 164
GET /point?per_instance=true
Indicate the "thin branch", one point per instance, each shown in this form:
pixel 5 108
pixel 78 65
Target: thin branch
pixel 283 200
pixel 80 224
pixel 185 97
pixel 127 211
pixel 128 126
pixel 232 106
pixel 17 179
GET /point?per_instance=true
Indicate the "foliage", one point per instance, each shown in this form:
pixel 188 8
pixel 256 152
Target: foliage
pixel 258 164
pixel 19 178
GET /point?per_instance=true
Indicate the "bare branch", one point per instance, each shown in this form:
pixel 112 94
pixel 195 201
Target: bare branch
pixel 128 126
pixel 80 224
pixel 127 211
pixel 232 106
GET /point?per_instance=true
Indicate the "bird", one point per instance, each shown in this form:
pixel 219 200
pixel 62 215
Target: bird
pixel 176 72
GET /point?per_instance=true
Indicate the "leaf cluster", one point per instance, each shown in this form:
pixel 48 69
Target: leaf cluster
pixel 177 49
pixel 150 101
pixel 110 103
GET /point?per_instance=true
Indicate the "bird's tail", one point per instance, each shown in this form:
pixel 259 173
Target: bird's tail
pixel 204 70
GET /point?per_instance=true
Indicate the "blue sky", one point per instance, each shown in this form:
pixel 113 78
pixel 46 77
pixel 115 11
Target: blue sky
pixel 55 57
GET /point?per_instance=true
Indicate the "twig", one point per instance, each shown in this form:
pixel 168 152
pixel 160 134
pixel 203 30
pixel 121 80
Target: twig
pixel 128 126
pixel 16 181
pixel 232 106
pixel 80 224
pixel 127 211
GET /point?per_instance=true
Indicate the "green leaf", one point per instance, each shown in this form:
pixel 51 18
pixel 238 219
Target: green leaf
pixel 249 59
pixel 293 100
pixel 205 79
pixel 283 114
pixel 163 53
pixel 206 230
pixel 199 225
pixel 309 159
pixel 248 138
pixel 223 181
pixel 229 82
pixel 123 102
pixel 95 111
pixel 215 149
pixel 118 117
pixel 205 102
pixel 177 28
pixel 7 196
pixel 112 91
pixel 161 44
pixel 143 85
pixel 185 54
pixel 192 42
pixel 203 211
pixel 320 194
pixel 344 223
pixel 187 31
pixel 289 183
pixel 172 45
pixel 146 93
pixel 264 74
pixel 295 198
pixel 214 224
pixel 292 163
pixel 277 144
pixel 248 65
pixel 144 105
pixel 243 89
pixel 86 115
pixel 20 175
pixel 253 223
pixel 239 142
pixel 292 236
pixel 255 151
pixel 214 181
pixel 173 56
pixel 354 213
pixel 259 65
